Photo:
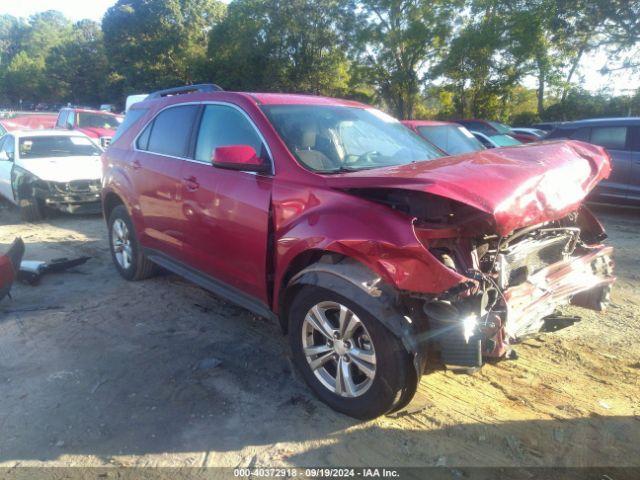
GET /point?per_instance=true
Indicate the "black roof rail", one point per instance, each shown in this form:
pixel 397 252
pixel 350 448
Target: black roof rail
pixel 203 87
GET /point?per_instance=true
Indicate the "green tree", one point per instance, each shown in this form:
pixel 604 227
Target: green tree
pixel 78 69
pixel 397 42
pixel 484 64
pixel 280 45
pixel 46 30
pixel 11 33
pixel 24 78
pixel 159 43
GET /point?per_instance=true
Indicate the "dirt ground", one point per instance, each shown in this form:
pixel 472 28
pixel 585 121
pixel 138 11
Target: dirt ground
pixel 96 371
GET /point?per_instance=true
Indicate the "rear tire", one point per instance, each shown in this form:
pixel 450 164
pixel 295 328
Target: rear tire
pixel 128 257
pixel 31 210
pixel 367 395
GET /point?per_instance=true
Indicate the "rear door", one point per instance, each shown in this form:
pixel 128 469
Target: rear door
pixel 227 211
pixel 155 169
pixel 614 139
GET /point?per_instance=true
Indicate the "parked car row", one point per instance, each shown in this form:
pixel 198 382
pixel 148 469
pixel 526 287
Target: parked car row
pixel 619 136
pixel 53 162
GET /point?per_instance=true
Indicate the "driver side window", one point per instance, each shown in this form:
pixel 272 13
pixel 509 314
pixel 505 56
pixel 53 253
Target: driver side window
pixel 224 126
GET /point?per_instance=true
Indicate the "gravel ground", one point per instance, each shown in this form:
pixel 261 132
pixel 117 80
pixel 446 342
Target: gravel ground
pixel 96 371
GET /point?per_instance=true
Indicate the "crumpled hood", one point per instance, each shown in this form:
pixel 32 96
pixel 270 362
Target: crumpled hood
pixel 518 186
pixel 96 132
pixel 64 169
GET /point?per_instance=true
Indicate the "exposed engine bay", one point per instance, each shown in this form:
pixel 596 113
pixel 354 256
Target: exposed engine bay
pixel 519 282
pixel 515 283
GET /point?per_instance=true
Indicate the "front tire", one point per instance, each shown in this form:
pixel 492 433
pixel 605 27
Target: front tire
pixel 31 210
pixel 346 356
pixel 127 255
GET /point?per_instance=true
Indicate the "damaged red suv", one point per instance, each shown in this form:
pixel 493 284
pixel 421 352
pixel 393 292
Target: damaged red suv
pixel 376 254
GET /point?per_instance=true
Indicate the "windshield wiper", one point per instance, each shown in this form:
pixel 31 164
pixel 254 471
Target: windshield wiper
pixel 351 170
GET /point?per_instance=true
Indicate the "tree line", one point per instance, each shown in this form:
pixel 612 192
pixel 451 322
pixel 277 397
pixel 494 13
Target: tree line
pixel 415 58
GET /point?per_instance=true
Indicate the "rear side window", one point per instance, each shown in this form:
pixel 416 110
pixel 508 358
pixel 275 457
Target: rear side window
pixel 224 126
pixel 613 138
pixel 170 132
pixel 132 117
pixel 583 134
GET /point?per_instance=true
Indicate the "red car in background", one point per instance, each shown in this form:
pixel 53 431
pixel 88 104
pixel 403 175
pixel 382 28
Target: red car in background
pixel 450 138
pixel 96 124
pixel 40 121
pixel 374 251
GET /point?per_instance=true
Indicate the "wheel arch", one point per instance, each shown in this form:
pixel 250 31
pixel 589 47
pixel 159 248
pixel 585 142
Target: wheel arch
pixel 300 262
pixel 110 200
pixel 355 281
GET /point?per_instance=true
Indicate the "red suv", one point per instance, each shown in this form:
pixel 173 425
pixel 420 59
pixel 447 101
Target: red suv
pixel 374 252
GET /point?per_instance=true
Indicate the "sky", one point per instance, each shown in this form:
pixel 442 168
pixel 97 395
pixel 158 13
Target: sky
pixel 73 9
pixel 621 83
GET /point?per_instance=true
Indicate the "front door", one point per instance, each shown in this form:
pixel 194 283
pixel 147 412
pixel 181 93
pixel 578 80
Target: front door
pixel 227 211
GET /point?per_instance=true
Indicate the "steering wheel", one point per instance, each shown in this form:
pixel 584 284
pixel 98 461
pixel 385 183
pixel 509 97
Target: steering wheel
pixel 366 158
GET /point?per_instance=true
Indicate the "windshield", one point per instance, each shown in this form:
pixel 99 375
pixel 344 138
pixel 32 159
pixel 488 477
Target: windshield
pixel 47 147
pixel 331 139
pixel 97 120
pixel 452 139
pixel 500 127
pixel 504 140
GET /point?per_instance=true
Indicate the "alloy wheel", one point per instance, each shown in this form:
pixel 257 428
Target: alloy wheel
pixel 338 349
pixel 121 243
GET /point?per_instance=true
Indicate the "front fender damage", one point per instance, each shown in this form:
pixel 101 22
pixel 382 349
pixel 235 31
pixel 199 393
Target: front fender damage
pixel 480 291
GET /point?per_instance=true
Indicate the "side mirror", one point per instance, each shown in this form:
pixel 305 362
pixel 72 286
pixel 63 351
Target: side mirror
pixel 239 157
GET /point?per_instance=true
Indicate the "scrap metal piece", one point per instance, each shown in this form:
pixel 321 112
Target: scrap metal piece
pixel 31 271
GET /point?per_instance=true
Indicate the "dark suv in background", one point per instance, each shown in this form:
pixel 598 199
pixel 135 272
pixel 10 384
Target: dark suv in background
pixel 621 138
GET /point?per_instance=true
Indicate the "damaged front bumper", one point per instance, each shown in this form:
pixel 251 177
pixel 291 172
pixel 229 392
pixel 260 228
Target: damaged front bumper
pixel 78 197
pixel 584 281
pixel 467 326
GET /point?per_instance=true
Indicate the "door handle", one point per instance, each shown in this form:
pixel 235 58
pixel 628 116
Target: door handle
pixel 136 164
pixel 191 183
